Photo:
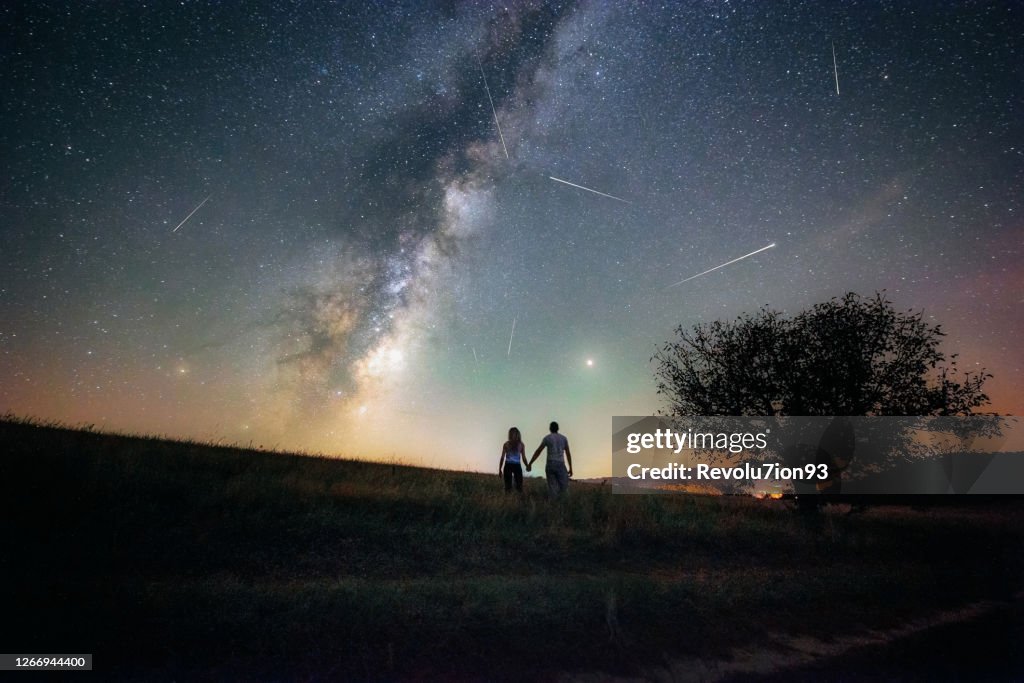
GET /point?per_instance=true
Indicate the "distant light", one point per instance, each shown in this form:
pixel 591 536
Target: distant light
pixel 590 362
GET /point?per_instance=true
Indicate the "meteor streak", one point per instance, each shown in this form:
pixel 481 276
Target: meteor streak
pixel 492 109
pixel 723 265
pixel 835 65
pixel 512 335
pixel 190 215
pixel 559 180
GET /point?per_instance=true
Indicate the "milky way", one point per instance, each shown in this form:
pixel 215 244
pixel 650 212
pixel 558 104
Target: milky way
pixel 379 206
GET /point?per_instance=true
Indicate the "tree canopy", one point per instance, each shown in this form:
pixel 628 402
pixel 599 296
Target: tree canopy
pixel 847 356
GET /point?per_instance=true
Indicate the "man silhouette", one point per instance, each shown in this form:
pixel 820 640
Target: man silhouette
pixel 558 456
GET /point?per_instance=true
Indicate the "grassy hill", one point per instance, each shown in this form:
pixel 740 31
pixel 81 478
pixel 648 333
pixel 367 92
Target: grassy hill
pixel 171 560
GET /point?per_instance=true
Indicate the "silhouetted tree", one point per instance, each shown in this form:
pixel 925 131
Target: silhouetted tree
pixel 848 356
pixel 851 356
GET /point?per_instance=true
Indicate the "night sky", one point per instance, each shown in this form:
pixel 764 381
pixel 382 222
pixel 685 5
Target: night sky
pixel 362 244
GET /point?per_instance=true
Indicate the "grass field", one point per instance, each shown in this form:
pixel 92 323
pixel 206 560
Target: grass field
pixel 186 561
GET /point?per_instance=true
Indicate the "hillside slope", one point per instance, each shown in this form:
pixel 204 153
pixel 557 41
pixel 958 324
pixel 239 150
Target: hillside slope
pixel 183 560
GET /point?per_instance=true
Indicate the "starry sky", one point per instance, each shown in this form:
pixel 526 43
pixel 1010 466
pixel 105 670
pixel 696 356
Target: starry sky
pixel 297 224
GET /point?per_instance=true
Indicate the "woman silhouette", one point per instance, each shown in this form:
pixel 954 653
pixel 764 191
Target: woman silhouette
pixel 511 460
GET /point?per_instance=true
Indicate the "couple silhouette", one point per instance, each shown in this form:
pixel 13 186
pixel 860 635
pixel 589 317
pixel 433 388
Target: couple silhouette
pixel 513 452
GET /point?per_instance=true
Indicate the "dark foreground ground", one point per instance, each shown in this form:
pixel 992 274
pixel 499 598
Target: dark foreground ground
pixel 177 561
pixel 985 648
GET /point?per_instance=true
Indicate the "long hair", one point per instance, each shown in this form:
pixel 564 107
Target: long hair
pixel 514 436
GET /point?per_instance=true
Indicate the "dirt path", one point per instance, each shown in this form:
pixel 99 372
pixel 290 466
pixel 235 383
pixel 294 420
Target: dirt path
pixel 981 641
